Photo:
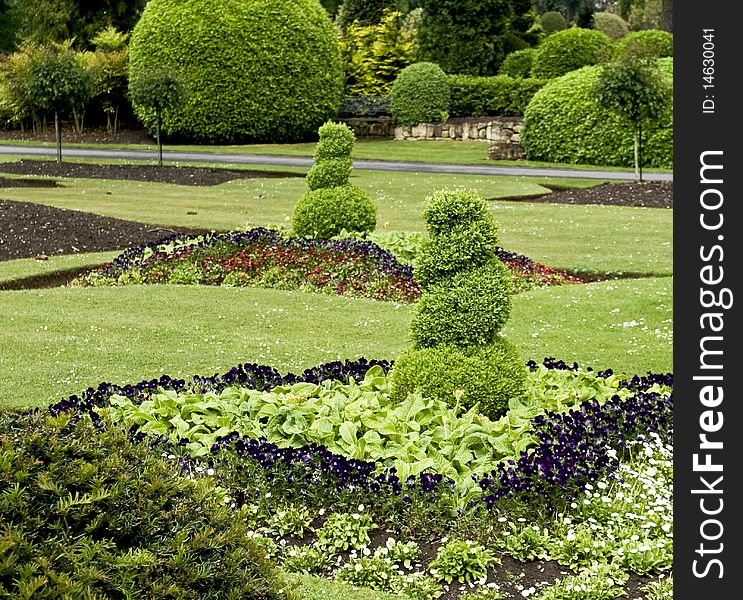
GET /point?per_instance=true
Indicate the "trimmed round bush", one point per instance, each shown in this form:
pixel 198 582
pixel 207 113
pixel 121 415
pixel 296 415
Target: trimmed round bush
pixel 329 172
pixel 488 376
pixel 452 209
pixel 612 25
pixel 336 141
pixel 563 123
pixel 254 70
pixel 420 94
pixel 468 309
pixel 518 64
pixel 323 213
pixel 552 21
pixel 90 514
pixel 461 249
pixel 648 43
pixel 569 50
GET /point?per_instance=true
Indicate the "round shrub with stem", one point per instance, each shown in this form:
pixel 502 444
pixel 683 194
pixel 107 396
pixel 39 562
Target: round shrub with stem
pixel 420 94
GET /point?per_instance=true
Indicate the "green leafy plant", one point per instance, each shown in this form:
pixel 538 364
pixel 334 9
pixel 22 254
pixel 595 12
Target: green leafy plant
pixel 552 21
pixel 420 94
pixel 87 513
pixel 373 572
pixel 569 50
pixel 659 590
pixel 404 553
pixel 463 561
pixel 601 582
pixel 362 12
pixel 523 541
pixel 289 520
pixel 417 585
pixel 648 43
pixel 517 63
pixel 325 212
pixel 564 123
pixel 161 91
pixel 611 24
pixel 499 95
pixel 332 156
pixel 306 559
pixel 344 531
pixel 249 79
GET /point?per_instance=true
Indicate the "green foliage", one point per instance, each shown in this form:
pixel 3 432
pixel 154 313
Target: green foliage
pixel 601 582
pixel 467 309
pixel 564 123
pixel 306 559
pixel 329 173
pixel 58 82
pixel 499 95
pixel 552 21
pixel 108 66
pixel 420 94
pixel 373 55
pixel 523 541
pixel 648 43
pixel 336 141
pixel 611 24
pixel 325 212
pixel 343 531
pixel 568 50
pixel 249 77
pixel 362 12
pixel 518 63
pixel 374 572
pixel 464 36
pixel 486 377
pixel 16 108
pixel 159 90
pixel 463 561
pixel 87 513
pixel 447 210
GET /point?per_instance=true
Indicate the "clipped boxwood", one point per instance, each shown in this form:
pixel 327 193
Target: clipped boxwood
pixel 569 50
pixel 649 43
pixel 323 213
pixel 467 309
pixel 330 172
pixel 552 21
pixel 254 70
pixel 336 141
pixel 563 123
pixel 420 94
pixel 612 25
pixel 488 376
pixel 499 95
pixel 518 63
pixel 86 513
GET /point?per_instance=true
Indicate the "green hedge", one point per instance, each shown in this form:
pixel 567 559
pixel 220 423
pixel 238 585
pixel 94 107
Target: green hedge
pixel 518 63
pixel 564 124
pixel 500 95
pixel 569 50
pixel 420 94
pixel 255 70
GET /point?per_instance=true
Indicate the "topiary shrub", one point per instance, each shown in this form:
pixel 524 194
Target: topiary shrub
pixel 86 513
pixel 568 50
pixel 466 301
pixel 325 212
pixel 648 43
pixel 518 63
pixel 329 173
pixel 498 96
pixel 564 123
pixel 488 376
pixel 552 21
pixel 612 25
pixel 420 94
pixel 255 70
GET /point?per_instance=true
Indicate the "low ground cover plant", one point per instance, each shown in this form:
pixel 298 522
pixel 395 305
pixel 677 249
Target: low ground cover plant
pixel 266 258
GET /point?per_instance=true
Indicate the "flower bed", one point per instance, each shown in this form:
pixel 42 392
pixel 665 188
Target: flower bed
pixel 266 258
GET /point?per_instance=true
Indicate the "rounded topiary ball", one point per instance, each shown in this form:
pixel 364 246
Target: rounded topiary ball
pixel 329 172
pixel 569 50
pixel 488 376
pixel 420 94
pixel 324 213
pixel 254 70
pixel 648 43
pixel 563 123
pixel 552 21
pixel 440 257
pixel 612 25
pixel 336 141
pixel 468 309
pixel 518 64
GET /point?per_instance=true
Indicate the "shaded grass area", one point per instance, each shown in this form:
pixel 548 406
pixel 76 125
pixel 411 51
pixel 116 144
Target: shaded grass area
pixel 585 238
pixel 14 272
pixel 58 342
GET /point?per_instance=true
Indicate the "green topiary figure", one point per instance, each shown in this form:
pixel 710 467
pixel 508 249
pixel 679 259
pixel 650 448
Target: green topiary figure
pixel 569 50
pixel 256 70
pixel 458 354
pixel 420 94
pixel 332 204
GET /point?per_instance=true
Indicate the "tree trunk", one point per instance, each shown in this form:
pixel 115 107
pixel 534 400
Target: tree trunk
pixel 159 143
pixel 58 136
pixel 639 149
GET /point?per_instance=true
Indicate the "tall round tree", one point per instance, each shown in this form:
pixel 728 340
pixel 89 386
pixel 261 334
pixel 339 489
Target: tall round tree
pixel 58 83
pixel 255 70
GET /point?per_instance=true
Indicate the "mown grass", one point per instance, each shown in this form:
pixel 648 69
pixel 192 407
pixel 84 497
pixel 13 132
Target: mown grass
pixel 58 342
pixel 24 268
pixel 587 238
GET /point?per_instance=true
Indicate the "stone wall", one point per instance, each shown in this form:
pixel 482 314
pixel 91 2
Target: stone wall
pixel 502 133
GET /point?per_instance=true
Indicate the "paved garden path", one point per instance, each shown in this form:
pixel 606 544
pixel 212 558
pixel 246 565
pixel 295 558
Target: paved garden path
pixel 301 161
